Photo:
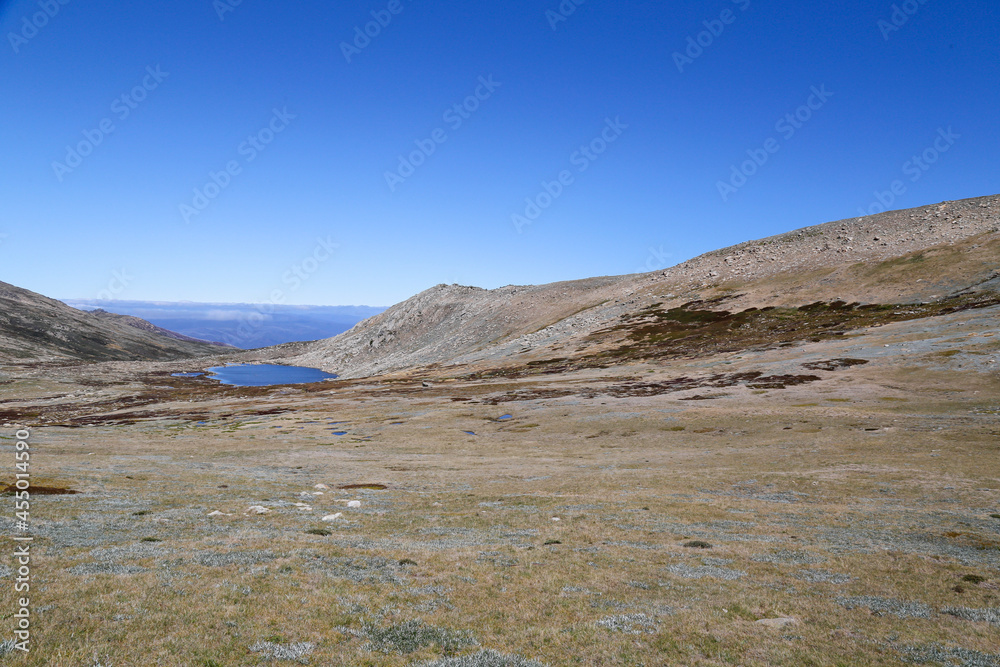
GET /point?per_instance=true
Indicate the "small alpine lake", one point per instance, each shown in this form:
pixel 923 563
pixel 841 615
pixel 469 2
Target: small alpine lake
pixel 264 375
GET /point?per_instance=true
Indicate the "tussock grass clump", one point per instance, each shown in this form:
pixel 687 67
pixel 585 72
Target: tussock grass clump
pixel 788 557
pixel 949 655
pixel 213 559
pixel 298 652
pixel 880 606
pixel 484 658
pixel 817 576
pixel 319 531
pixel 105 568
pixel 690 572
pixel 630 624
pixel 987 615
pixel 697 544
pixel 413 635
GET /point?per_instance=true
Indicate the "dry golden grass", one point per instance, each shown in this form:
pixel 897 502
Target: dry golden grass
pixel 878 481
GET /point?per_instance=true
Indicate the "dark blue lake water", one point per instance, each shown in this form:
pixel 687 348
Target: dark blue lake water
pixel 263 375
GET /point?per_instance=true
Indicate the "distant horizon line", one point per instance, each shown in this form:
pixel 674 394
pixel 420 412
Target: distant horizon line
pixel 71 301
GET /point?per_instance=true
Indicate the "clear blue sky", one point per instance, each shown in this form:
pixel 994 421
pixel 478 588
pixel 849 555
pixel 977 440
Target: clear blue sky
pixel 114 224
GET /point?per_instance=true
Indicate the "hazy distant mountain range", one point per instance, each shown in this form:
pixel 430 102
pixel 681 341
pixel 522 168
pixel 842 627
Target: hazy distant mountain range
pixel 35 328
pixel 241 325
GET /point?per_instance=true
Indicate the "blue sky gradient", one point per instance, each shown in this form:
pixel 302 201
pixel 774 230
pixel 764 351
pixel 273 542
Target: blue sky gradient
pixel 313 218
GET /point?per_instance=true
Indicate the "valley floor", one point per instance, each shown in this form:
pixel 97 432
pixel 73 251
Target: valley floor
pixel 830 503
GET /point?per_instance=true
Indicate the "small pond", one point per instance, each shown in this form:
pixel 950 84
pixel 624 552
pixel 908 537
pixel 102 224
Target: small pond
pixel 263 375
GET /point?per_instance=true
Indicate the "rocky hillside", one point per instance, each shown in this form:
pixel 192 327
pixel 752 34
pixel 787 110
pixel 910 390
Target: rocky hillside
pixel 36 328
pixel 918 255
